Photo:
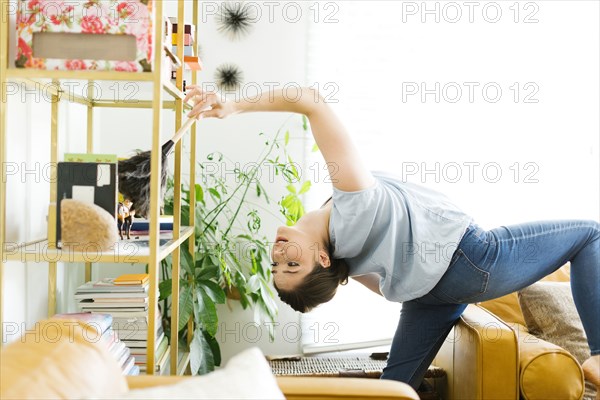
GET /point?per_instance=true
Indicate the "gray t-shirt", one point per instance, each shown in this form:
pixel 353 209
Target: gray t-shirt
pixel 405 233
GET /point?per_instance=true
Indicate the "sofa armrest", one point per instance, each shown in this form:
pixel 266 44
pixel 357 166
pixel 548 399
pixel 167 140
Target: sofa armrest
pixel 146 381
pixel 316 388
pixel 480 357
pixel 547 370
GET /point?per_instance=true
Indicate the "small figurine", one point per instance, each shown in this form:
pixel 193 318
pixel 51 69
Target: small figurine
pixel 125 213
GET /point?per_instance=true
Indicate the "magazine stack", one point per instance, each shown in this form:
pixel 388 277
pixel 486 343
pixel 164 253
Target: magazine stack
pixel 107 336
pixel 125 298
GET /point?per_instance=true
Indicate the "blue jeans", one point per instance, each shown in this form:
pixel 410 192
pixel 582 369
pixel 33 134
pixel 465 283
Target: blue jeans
pixel 491 264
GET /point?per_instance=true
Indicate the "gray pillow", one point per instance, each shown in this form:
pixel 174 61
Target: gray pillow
pixel 550 314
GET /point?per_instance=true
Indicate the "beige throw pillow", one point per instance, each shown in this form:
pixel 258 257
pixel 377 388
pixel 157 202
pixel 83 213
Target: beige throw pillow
pixel 550 314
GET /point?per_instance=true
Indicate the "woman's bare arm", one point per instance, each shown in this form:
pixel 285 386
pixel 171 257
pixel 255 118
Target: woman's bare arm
pixel 346 168
pixel 370 281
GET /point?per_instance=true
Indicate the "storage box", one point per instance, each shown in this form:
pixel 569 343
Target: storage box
pixel 85 35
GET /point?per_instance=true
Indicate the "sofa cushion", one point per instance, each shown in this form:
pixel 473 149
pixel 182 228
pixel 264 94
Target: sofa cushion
pixel 246 376
pixel 59 359
pixel 550 314
pixel 507 307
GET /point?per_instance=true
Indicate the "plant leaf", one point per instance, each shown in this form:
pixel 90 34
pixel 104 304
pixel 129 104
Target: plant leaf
pixel 199 194
pixel 213 290
pixel 164 289
pixel 286 138
pixel 187 262
pixel 214 193
pixel 288 201
pixel 291 189
pixel 210 272
pixel 214 259
pixel 186 307
pixel 207 312
pixel 201 354
pixel 267 298
pixel 305 187
pixel 216 349
pixel 253 284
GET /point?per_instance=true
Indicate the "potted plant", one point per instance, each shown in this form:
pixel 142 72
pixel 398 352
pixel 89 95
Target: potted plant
pixel 229 219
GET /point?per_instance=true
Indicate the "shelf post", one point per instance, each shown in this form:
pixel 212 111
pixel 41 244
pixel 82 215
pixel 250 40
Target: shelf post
pixel 53 197
pixel 3 101
pixel 176 267
pixel 193 131
pixel 155 180
pixel 89 149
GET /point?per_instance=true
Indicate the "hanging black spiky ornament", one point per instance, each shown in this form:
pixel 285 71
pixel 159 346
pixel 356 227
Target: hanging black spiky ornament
pixel 234 19
pixel 228 77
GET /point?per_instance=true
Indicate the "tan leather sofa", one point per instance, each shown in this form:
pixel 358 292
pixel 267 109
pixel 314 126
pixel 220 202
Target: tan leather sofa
pixel 491 355
pixel 60 363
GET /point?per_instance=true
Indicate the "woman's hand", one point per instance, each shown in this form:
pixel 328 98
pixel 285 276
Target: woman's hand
pixel 208 104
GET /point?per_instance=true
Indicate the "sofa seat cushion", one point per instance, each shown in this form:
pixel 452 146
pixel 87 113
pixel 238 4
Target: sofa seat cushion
pixel 59 359
pixel 506 308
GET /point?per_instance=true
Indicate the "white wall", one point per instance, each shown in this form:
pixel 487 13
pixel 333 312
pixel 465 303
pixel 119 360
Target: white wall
pixel 272 52
pixel 544 148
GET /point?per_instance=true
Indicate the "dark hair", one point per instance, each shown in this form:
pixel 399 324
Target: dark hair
pixel 318 287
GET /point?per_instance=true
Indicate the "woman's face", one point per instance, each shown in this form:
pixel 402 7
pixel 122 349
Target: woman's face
pixel 295 253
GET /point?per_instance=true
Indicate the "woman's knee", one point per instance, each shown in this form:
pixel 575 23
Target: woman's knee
pixel 594 227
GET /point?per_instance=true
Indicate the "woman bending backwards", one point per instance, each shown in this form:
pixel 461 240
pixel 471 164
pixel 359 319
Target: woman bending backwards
pixel 410 244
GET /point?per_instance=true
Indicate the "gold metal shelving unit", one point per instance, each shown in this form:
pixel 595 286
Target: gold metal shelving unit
pixel 44 250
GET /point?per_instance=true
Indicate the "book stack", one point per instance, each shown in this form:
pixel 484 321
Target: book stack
pixel 126 299
pixel 191 62
pixel 107 336
pixel 141 226
pixel 161 355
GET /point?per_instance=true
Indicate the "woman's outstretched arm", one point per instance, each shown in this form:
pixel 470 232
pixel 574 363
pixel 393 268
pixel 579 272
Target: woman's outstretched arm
pixel 346 168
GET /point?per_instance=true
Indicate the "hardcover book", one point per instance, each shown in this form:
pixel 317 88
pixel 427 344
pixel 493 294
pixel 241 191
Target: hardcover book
pixel 140 225
pixel 132 279
pixel 93 304
pixel 105 287
pixel 121 294
pixel 90 157
pixel 143 343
